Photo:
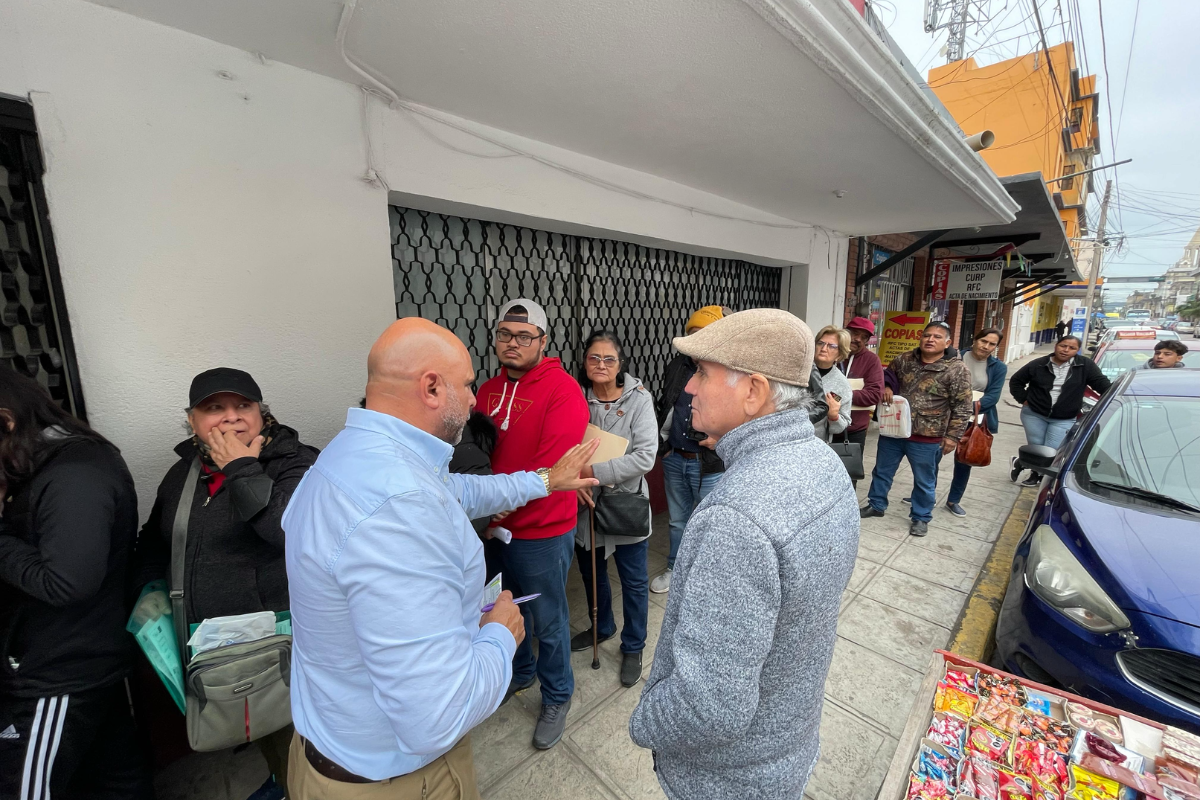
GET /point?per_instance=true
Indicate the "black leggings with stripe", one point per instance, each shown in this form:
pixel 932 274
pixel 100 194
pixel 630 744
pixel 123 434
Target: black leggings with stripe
pixel 81 745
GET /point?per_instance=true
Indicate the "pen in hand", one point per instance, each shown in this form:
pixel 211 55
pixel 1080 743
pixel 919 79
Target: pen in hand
pixel 516 602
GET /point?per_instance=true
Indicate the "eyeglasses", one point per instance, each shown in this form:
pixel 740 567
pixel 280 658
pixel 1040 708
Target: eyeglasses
pixel 523 339
pixel 608 361
pixel 827 346
pixel 939 324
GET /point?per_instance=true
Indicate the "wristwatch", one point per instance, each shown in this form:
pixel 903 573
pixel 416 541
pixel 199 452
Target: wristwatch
pixel 544 474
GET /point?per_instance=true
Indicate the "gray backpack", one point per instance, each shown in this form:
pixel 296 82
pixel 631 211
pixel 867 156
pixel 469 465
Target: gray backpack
pixel 237 693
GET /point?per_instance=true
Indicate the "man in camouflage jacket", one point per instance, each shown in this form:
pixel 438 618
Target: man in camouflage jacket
pixel 938 391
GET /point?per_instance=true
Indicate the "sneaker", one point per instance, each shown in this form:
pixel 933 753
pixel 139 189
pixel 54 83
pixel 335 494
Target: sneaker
pixel 1033 480
pixel 869 511
pixel 918 528
pixel 1014 469
pixel 515 686
pixel 906 500
pixel 270 790
pixel 583 641
pixel 550 725
pixel 662 584
pixel 955 509
pixel 631 669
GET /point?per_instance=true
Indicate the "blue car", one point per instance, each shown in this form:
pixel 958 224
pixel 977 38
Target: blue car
pixel 1104 595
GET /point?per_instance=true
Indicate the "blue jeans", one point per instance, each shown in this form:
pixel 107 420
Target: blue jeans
pixel 923 457
pixel 686 487
pixel 1043 430
pixel 962 474
pixel 635 593
pixel 542 565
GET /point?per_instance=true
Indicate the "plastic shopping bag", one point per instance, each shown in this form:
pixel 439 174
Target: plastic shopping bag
pixel 895 418
pixel 156 637
pixel 238 629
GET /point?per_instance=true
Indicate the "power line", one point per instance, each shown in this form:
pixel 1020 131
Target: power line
pixel 1128 69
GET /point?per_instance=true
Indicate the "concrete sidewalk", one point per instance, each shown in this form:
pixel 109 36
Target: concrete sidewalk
pixel 903 600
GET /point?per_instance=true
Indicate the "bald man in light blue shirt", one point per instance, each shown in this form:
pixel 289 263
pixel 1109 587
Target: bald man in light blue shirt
pixel 393 662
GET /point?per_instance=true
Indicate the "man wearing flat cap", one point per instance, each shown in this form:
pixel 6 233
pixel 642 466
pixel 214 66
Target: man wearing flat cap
pixel 732 707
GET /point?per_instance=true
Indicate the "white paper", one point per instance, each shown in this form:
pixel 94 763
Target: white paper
pixel 221 631
pixel 492 590
pixel 503 534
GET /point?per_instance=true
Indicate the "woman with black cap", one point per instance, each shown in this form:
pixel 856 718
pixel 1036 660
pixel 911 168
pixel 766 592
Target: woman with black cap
pixel 234 555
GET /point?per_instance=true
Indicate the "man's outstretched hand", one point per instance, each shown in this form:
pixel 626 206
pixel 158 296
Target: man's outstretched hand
pixel 565 477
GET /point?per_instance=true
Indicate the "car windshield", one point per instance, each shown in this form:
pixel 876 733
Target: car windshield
pixel 1114 363
pixel 1150 445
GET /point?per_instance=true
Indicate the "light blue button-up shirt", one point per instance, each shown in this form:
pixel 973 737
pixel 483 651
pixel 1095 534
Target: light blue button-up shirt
pixel 389 665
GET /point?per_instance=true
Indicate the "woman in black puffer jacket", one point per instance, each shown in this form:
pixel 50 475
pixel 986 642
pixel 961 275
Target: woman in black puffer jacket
pixel 234 557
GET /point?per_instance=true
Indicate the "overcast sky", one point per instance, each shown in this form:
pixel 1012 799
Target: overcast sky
pixel 1159 199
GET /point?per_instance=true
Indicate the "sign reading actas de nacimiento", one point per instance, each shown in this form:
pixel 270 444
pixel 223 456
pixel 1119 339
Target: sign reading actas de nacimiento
pixel 974 280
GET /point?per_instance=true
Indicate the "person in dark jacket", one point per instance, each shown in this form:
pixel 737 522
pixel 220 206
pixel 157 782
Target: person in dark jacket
pixel 862 365
pixel 473 456
pixel 1050 390
pixel 987 376
pixel 68 520
pixel 234 559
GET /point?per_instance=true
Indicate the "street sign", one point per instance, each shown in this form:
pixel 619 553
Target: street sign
pixel 901 333
pixel 975 280
pixel 1079 321
pixel 941 278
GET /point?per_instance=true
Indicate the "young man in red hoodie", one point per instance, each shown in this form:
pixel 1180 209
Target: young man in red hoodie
pixel 540 413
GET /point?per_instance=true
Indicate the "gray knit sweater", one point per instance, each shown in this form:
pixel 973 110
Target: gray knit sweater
pixel 732 707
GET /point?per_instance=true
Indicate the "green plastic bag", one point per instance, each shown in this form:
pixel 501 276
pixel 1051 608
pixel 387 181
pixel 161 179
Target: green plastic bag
pixel 157 640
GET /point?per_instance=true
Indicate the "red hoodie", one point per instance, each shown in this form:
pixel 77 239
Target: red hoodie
pixel 538 419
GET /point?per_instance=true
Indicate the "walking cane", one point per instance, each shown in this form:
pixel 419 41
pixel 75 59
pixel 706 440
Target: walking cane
pixel 595 630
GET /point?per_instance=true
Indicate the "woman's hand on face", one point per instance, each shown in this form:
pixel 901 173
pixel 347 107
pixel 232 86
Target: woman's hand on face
pixel 835 406
pixel 226 447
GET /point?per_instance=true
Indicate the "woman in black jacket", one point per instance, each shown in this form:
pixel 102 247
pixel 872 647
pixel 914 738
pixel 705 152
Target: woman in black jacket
pixel 1050 390
pixel 68 520
pixel 234 556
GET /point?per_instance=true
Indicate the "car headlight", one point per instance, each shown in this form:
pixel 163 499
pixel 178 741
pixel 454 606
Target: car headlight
pixel 1056 576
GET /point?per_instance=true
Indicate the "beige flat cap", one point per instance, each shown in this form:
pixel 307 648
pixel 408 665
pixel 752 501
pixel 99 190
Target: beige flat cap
pixel 769 341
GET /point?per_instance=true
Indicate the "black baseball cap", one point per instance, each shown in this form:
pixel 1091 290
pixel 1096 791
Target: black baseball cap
pixel 223 379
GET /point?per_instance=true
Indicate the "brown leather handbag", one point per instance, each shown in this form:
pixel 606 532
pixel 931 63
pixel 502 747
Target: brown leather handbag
pixel 975 447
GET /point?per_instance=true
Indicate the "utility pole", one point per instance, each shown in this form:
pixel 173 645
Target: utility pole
pixel 954 15
pixel 1094 272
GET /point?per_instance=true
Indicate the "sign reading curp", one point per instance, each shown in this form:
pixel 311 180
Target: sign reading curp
pixel 974 280
pixel 901 333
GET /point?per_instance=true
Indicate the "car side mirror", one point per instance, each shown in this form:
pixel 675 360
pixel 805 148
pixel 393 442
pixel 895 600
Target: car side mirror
pixel 1037 457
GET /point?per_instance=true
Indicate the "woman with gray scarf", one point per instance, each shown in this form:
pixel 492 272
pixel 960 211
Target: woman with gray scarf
pixel 620 405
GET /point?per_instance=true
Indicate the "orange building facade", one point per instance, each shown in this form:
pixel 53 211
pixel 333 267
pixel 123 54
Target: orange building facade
pixel 1045 116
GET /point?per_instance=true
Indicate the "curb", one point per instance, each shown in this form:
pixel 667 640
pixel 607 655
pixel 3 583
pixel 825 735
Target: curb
pixel 973 635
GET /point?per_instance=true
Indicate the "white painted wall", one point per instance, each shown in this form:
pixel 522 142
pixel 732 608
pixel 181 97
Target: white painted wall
pixel 209 209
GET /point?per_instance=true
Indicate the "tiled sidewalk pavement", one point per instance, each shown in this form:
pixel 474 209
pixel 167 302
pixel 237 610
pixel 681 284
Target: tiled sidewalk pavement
pixel 903 599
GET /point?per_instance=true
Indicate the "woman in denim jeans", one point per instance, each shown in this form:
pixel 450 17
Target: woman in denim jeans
pixel 987 376
pixel 618 404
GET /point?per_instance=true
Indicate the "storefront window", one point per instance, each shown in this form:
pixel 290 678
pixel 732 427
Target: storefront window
pixel 885 293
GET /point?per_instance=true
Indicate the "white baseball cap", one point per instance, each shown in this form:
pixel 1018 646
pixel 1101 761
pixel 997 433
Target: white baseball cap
pixel 534 314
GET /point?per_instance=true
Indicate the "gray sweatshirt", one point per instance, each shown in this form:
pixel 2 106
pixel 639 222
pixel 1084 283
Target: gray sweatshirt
pixel 630 416
pixel 732 707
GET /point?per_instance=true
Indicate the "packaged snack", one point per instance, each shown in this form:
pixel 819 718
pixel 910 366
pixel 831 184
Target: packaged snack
pixel 1175 789
pixel 988 742
pixel 960 679
pixel 997 712
pixel 955 701
pixel 979 778
pixel 1059 735
pixel 921 788
pixel 935 762
pixel 1041 762
pixel 1165 766
pixel 1182 741
pixel 1126 777
pixel 1090 786
pixel 1011 690
pixel 948 730
pixel 1038 705
pixel 1046 791
pixel 1014 786
pixel 1096 722
pixel 1086 742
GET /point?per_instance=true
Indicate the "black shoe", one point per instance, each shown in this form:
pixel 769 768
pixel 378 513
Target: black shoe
pixel 514 687
pixel 918 528
pixel 550 725
pixel 955 509
pixel 1014 469
pixel 270 790
pixel 583 641
pixel 631 669
pixel 868 511
pixel 1033 480
pixel 906 500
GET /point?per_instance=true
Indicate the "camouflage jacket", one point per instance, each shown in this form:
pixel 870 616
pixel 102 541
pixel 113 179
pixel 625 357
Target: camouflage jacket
pixel 938 393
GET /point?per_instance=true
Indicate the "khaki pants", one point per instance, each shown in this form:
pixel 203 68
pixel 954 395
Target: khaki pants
pixel 448 777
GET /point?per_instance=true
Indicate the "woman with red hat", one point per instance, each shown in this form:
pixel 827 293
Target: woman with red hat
pixel 864 365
